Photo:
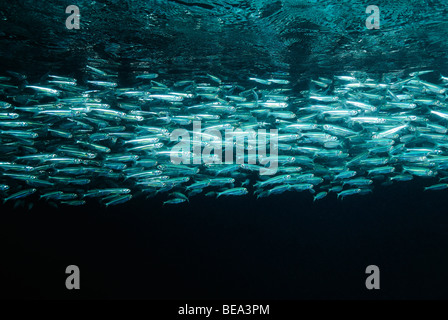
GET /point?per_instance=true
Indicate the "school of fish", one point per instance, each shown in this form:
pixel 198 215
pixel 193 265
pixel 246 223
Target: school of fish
pixel 69 143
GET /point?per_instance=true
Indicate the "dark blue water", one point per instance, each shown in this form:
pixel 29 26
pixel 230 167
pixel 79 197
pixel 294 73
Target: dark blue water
pixel 284 247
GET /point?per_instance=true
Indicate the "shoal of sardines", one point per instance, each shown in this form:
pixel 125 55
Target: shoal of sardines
pixel 69 143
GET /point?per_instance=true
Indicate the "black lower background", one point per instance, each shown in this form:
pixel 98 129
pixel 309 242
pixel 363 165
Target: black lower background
pixel 282 247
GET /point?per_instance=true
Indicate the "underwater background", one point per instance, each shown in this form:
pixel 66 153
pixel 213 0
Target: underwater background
pixel 284 246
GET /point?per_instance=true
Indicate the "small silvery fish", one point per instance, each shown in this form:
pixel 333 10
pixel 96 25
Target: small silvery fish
pixel 20 195
pixel 233 192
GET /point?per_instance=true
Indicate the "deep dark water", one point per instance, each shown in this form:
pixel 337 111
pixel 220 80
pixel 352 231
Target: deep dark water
pixel 284 247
